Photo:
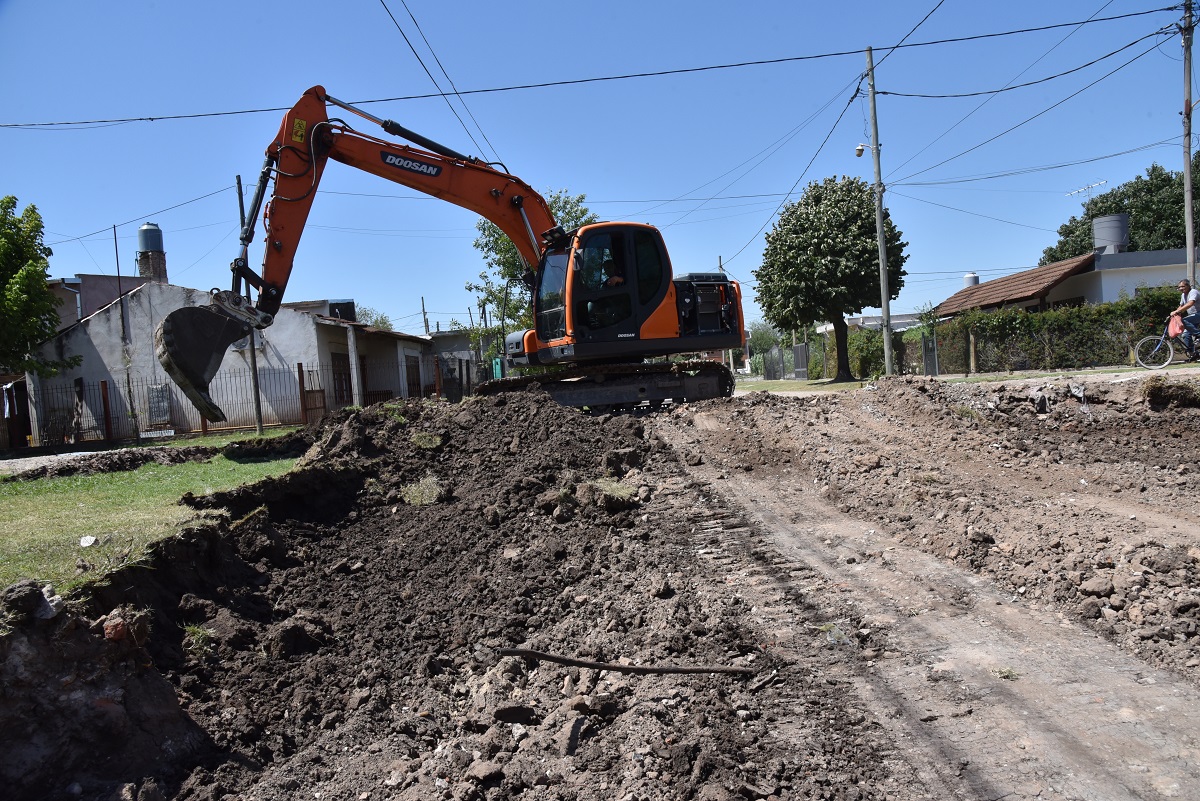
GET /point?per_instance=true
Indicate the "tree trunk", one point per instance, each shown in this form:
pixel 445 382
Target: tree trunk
pixel 840 330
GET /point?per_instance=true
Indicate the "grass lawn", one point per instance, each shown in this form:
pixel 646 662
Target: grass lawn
pixel 42 521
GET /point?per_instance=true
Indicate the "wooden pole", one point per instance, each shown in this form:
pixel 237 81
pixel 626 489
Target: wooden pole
pixel 1189 230
pixel 107 411
pixel 303 394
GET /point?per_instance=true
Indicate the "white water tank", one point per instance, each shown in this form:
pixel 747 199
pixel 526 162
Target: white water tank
pixel 970 280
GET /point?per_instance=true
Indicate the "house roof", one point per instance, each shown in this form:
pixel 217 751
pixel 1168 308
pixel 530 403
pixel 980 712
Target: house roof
pixel 324 319
pixel 1015 288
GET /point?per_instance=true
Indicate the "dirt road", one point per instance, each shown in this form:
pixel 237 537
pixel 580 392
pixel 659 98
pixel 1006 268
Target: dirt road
pixel 997 694
pixel 914 591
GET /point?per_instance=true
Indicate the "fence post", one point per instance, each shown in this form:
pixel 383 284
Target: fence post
pixel 107 410
pixel 303 403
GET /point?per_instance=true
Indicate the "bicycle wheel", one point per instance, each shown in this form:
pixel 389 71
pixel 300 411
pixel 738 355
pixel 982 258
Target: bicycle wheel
pixel 1154 353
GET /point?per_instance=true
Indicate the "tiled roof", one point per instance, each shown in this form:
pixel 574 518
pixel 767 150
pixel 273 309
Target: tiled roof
pixel 1015 288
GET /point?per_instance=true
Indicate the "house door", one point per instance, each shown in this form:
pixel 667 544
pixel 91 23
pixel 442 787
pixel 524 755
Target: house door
pixel 412 376
pixel 343 391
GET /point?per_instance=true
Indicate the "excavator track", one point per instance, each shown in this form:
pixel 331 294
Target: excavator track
pixel 603 388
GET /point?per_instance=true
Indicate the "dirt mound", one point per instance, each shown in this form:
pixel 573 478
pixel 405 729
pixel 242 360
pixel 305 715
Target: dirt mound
pixel 343 632
pixel 292 444
pixel 438 601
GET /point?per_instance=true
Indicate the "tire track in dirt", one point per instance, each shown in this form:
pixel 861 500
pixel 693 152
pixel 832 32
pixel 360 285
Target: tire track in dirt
pixel 994 698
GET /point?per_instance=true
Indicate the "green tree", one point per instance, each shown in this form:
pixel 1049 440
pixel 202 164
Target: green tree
pixel 821 261
pixel 1154 203
pixel 374 318
pixel 499 288
pixel 761 336
pixel 28 309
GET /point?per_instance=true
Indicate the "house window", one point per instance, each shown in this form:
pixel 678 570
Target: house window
pixel 1068 303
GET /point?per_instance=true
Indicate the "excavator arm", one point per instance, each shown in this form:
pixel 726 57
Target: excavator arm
pixel 191 342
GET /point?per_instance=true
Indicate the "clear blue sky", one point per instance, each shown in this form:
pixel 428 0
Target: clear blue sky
pixel 649 149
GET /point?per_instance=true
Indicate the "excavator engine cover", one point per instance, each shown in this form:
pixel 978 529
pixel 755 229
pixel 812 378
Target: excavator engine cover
pixel 191 343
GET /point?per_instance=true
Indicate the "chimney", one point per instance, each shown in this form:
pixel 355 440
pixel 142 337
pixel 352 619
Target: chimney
pixel 151 260
pixel 970 280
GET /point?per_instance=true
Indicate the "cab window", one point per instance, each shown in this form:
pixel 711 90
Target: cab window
pixel 648 254
pixel 602 261
pixel 603 285
pixel 550 304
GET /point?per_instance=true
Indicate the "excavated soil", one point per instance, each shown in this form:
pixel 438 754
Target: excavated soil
pixel 917 590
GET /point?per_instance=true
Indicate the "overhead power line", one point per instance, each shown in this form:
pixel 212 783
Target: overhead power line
pixel 1043 168
pixel 759 157
pixel 990 98
pixel 602 79
pixel 1014 87
pixel 445 96
pixel 972 213
pixel 142 217
pixel 1030 119
pixel 774 214
pixel 910 33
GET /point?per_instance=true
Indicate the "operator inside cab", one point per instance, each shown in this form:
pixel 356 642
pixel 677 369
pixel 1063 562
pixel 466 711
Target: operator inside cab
pixel 611 273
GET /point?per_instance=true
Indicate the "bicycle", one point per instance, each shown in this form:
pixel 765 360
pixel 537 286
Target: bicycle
pixel 1156 352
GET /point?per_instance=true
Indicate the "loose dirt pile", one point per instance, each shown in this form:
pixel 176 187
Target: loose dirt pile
pixel 365 626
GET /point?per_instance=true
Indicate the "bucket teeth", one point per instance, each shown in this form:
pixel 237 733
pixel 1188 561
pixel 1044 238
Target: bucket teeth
pixel 191 343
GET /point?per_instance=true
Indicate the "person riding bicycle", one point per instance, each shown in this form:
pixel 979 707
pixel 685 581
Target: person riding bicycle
pixel 1189 315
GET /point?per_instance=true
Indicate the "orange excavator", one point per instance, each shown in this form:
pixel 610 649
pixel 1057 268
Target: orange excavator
pixel 604 296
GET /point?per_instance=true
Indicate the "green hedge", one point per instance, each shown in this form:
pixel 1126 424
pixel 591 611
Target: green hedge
pixel 1012 339
pixel 1068 338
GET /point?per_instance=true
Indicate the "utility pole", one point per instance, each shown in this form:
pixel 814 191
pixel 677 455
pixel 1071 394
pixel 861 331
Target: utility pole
pixel 884 305
pixel 1189 232
pixel 424 316
pixel 258 418
pixel 120 292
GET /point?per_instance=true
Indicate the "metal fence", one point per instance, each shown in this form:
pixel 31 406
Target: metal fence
pixel 132 407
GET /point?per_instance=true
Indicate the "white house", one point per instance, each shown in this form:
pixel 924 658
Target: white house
pixel 119 390
pixel 1105 275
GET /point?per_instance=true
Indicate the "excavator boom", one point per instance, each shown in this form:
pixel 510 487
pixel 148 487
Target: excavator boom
pixel 191 342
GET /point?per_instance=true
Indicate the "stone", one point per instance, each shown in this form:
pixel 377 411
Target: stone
pixel 1099 586
pixel 483 772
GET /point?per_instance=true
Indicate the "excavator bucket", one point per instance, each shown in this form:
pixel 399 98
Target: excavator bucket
pixel 191 344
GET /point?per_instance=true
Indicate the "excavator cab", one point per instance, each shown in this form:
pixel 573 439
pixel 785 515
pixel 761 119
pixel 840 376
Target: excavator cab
pixel 609 297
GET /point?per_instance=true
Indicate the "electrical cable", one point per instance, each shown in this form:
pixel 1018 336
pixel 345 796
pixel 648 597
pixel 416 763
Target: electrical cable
pixel 1014 87
pixel 972 213
pixel 1030 170
pixel 761 156
pixel 970 113
pixel 457 94
pixel 791 191
pixel 628 76
pixel 910 33
pixel 1031 119
pixel 430 74
pixel 144 216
